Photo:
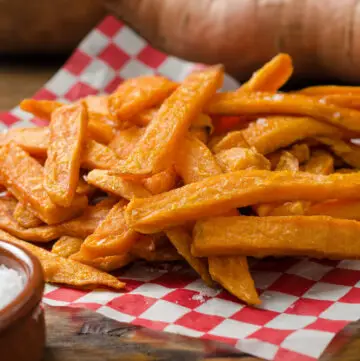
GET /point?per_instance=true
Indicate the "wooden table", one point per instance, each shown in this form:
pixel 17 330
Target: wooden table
pixel 22 76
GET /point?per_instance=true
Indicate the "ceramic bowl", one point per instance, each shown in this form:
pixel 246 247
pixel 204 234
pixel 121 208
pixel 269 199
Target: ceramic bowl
pixel 22 326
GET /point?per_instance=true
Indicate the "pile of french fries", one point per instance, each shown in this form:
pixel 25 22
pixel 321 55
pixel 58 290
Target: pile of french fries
pixel 164 171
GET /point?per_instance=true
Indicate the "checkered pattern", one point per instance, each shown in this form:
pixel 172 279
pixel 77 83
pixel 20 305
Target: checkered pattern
pixel 305 301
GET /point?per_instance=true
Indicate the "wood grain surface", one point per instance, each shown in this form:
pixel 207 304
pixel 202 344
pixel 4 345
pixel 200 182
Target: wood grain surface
pixel 22 76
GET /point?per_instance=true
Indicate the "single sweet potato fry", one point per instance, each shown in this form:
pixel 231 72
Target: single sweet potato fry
pixel 194 160
pixel 40 108
pixel 271 133
pixel 62 167
pixel 232 272
pixel 314 236
pixel 116 185
pixel 346 209
pixel 66 271
pixel 37 234
pixel 349 153
pixel 33 140
pixel 160 182
pixel 106 264
pixel 220 193
pixel 182 242
pixel 125 141
pixel 137 94
pixel 287 162
pixel 234 159
pixel 287 104
pixel 112 236
pixel 98 156
pixel 156 150
pixel 23 176
pixel 26 217
pixel 320 162
pixel 271 77
pixel 66 246
pixel 321 90
pixel 342 100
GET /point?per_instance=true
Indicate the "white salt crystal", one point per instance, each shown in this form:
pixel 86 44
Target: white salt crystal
pixel 11 284
pixel 336 115
pixel 198 297
pixel 278 97
pixel 261 121
pixel 322 101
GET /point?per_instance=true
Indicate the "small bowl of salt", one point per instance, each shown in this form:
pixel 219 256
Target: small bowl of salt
pixel 22 326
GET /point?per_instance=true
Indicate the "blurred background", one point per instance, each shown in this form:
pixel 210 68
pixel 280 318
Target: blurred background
pixel 36 37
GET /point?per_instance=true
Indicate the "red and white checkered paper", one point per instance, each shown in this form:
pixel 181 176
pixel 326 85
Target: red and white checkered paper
pixel 305 302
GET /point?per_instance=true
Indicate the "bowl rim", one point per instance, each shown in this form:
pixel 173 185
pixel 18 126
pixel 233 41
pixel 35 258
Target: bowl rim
pixel 31 294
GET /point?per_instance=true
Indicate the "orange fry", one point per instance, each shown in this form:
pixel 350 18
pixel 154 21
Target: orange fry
pixel 84 225
pixel 234 159
pixel 160 182
pixel 62 166
pixel 271 77
pixel 23 177
pixel 99 127
pixel 316 236
pixel 125 141
pixel 40 108
pixel 25 217
pixel 37 234
pixel 220 193
pixel 138 94
pixel 271 133
pixel 349 153
pixel 157 253
pixel 287 162
pixel 182 242
pixel 287 104
pixel 232 272
pixel 156 150
pixel 100 131
pixel 345 209
pixel 194 161
pixel 329 90
pixel 350 101
pixel 112 236
pixel 66 271
pixel 300 151
pixel 106 264
pixel 143 118
pixel 321 162
pixel 96 155
pixel 66 246
pixel 33 140
pixel 84 188
pixel 116 185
